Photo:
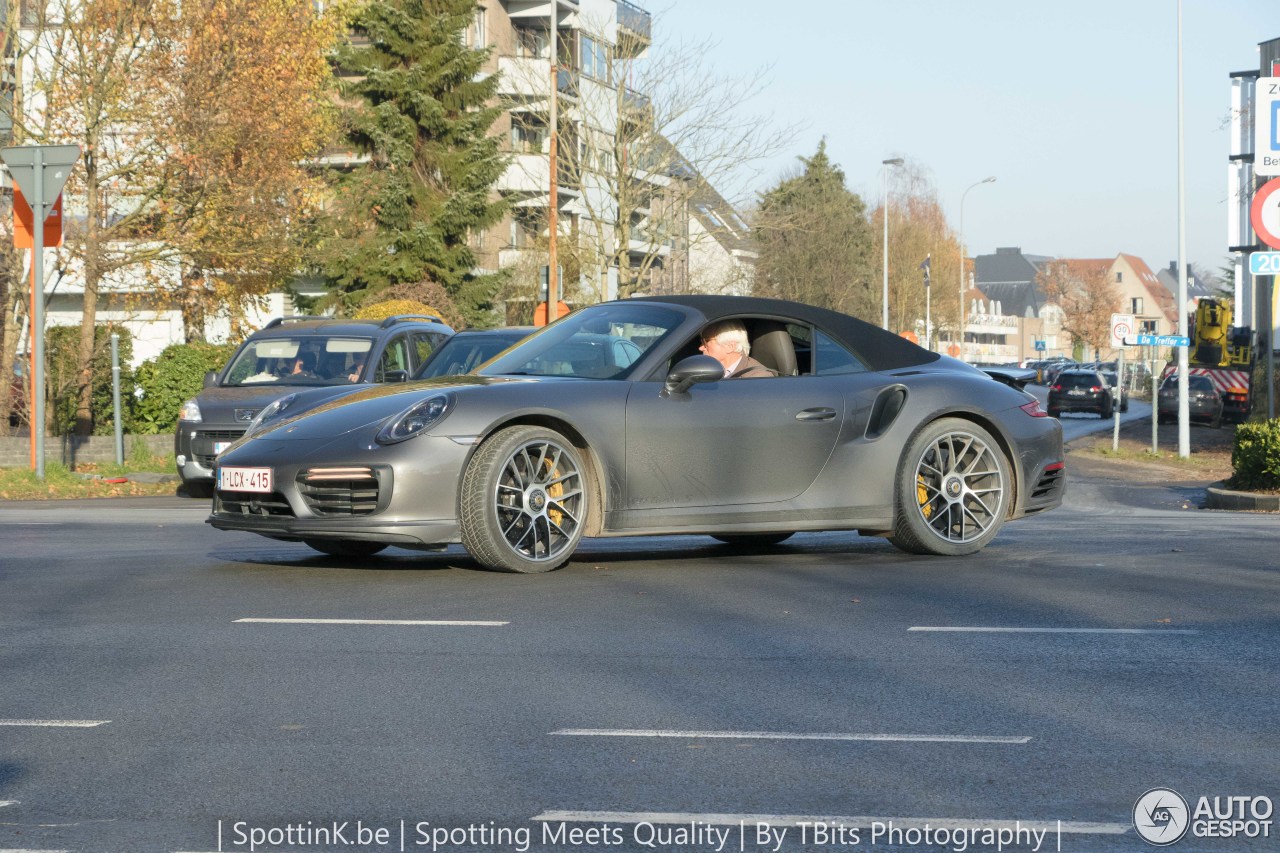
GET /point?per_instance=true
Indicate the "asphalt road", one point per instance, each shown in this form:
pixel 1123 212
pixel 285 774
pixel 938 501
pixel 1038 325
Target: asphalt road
pixel 648 696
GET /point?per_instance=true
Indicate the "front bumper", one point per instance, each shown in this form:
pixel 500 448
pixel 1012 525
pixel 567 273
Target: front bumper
pixel 342 488
pixel 196 447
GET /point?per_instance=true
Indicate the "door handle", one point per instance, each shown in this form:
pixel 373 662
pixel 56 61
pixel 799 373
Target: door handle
pixel 820 414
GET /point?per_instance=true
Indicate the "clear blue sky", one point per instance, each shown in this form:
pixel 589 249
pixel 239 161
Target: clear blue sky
pixel 1072 106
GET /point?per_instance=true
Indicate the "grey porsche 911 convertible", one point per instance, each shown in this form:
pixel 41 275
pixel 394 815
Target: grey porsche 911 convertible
pixel 610 422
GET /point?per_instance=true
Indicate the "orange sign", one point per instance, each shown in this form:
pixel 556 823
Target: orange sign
pixel 911 336
pixel 24 233
pixel 540 313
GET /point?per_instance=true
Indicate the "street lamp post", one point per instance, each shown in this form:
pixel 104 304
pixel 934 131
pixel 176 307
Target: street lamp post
pixel 884 262
pixel 960 343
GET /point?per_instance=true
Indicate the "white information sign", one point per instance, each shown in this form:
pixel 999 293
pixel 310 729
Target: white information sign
pixel 1266 127
pixel 1122 325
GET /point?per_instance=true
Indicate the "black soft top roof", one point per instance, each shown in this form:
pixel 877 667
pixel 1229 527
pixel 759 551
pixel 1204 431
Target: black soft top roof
pixel 878 349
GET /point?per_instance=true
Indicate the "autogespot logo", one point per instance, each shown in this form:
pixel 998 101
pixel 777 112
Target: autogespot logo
pixel 1161 816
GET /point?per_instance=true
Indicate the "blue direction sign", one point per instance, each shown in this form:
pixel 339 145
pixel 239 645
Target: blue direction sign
pixel 1264 263
pixel 1159 340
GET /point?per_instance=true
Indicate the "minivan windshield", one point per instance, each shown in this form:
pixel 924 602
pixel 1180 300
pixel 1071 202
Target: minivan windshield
pixel 299 360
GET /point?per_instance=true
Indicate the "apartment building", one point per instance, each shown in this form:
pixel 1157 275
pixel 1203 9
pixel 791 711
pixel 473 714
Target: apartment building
pixel 633 216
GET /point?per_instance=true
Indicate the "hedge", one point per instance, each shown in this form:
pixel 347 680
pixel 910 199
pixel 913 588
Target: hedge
pixel 1255 458
pixel 169 380
pixel 62 345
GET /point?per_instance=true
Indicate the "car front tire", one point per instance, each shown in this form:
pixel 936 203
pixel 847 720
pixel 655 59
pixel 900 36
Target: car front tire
pixel 953 490
pixel 524 500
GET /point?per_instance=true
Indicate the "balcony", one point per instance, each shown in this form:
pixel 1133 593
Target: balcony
pixel 635 29
pixel 526 78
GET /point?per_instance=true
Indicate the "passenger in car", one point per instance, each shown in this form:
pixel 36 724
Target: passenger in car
pixel 727 343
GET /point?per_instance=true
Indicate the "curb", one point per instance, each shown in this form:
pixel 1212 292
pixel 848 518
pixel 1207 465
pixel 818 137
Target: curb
pixel 1219 497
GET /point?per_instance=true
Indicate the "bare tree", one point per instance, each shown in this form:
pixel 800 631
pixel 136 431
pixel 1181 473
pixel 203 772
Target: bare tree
pixel 1083 289
pixel 918 228
pixel 91 70
pixel 643 138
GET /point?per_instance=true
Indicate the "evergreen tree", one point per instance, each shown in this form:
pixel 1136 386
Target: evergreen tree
pixel 418 107
pixel 814 241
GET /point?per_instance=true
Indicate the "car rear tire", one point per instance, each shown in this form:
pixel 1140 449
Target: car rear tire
pixel 524 500
pixel 1055 413
pixel 345 547
pixel 953 490
pixel 762 540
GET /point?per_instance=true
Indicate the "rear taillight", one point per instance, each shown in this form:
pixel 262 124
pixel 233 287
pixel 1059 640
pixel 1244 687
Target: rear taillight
pixel 1095 389
pixel 1055 387
pixel 1033 409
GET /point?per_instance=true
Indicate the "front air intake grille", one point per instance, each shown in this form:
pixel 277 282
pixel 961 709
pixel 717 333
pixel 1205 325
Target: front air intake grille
pixel 340 491
pixel 203 452
pixel 253 503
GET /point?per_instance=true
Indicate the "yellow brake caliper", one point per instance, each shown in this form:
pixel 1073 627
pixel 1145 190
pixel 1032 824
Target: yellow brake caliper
pixel 922 497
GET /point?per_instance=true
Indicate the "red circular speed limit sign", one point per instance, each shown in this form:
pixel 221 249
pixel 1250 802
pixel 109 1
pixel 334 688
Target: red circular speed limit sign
pixel 1264 213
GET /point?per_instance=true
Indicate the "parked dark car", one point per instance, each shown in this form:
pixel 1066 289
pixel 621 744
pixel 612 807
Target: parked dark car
pixel 1204 402
pixel 610 422
pixel 1052 367
pixel 1113 381
pixel 289 355
pixel 470 348
pixel 1080 391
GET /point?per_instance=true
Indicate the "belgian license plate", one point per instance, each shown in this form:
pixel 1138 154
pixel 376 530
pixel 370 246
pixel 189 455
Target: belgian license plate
pixel 1075 392
pixel 244 480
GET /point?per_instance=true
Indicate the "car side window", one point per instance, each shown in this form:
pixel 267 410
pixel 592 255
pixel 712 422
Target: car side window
pixel 394 357
pixel 830 358
pixel 425 343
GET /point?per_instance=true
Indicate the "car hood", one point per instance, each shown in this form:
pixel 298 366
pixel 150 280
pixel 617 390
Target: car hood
pixel 238 404
pixel 368 405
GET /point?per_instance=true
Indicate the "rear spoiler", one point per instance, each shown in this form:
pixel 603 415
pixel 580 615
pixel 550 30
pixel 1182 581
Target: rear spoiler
pixel 1014 377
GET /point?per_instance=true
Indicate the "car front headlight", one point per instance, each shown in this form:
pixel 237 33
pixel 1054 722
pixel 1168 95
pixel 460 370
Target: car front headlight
pixel 270 412
pixel 190 412
pixel 415 420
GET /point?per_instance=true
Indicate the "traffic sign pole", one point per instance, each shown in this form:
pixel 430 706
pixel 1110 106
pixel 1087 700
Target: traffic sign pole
pixel 40 171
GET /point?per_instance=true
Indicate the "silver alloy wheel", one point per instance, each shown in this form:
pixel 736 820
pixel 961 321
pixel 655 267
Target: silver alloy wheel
pixel 539 500
pixel 959 487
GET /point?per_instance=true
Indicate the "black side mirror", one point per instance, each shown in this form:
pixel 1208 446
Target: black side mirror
pixel 211 379
pixel 692 371
pixel 396 376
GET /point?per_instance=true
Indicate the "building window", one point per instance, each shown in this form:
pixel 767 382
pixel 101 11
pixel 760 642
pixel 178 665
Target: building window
pixel 528 136
pixel 478 34
pixel 595 59
pixel 1147 327
pixel 1135 305
pixel 532 43
pixel 1119 277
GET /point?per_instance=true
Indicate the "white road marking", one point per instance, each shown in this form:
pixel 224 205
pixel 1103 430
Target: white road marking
pixel 861 822
pixel 444 622
pixel 993 630
pixel 66 724
pixel 25 850
pixel 4 803
pixel 661 733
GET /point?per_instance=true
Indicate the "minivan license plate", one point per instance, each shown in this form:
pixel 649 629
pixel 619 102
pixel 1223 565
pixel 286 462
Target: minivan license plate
pixel 244 480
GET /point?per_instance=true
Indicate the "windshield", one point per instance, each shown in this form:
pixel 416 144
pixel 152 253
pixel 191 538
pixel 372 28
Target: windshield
pixel 465 352
pixel 600 342
pixel 301 360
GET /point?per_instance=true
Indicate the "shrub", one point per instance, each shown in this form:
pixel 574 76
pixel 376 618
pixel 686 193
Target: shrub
pixel 1255 458
pixel 169 380
pixel 62 344
pixel 392 307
